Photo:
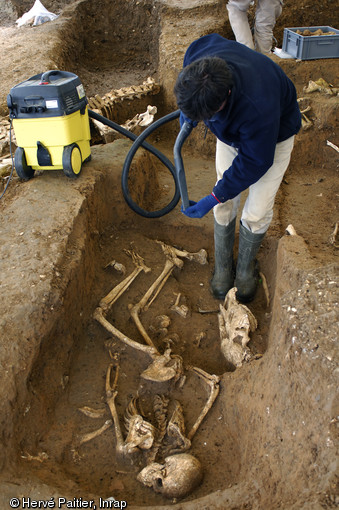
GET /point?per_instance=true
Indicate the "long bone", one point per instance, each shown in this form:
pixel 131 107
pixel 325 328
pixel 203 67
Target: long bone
pixel 167 366
pixel 107 302
pixel 142 434
pixel 155 287
pixel 99 316
pixel 213 382
pixel 111 394
pixel 200 256
pixel 172 260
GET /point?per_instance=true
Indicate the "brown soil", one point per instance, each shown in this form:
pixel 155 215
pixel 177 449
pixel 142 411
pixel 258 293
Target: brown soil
pixel 270 439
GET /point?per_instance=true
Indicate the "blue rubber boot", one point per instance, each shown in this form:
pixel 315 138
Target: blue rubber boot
pixel 223 277
pixel 247 272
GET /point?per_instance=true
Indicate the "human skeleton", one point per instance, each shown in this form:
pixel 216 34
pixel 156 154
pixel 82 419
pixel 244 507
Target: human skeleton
pixel 163 445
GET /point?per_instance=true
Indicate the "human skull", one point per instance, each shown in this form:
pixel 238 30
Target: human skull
pixel 175 478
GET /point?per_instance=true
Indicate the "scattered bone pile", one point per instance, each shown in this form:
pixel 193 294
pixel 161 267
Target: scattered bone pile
pixel 105 105
pixel 305 106
pixel 319 31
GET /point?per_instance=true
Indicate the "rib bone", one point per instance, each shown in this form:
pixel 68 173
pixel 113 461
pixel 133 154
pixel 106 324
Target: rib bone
pixel 96 433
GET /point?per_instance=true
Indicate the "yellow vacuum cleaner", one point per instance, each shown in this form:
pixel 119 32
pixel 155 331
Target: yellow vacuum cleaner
pixel 50 120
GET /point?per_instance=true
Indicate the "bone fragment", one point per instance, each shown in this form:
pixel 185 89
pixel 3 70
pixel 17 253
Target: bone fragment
pixel 176 431
pixel 305 122
pixel 117 266
pixel 141 119
pixel 322 86
pixel 197 341
pixel 92 413
pixel 291 230
pixel 160 405
pixel 96 433
pixel 335 147
pixel 201 310
pixel 265 287
pixel 162 280
pixel 164 368
pixel 39 458
pixel 161 321
pixel 140 433
pixel 213 382
pixel 181 310
pixel 307 109
pixel 200 256
pixel 333 236
pixel 111 393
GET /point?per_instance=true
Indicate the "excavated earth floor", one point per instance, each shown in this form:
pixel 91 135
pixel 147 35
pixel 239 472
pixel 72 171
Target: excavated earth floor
pixel 270 439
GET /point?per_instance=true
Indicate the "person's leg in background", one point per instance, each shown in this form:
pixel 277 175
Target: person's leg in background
pixel 266 14
pixel 256 217
pixel 237 15
pixel 224 228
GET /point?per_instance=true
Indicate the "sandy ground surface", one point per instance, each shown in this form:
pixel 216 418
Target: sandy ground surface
pixel 270 439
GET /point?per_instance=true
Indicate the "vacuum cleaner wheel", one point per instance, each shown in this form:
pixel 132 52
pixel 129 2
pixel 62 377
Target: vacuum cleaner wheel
pixel 72 160
pixel 22 169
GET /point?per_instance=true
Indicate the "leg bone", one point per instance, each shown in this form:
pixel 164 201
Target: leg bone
pixel 99 316
pixel 138 307
pixel 107 302
pixel 111 393
pixel 200 256
pixel 213 383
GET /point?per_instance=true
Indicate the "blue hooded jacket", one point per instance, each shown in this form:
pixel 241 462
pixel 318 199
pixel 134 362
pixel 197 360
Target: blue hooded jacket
pixel 261 110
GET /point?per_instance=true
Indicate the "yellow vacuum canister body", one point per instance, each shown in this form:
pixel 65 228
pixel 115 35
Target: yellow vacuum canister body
pixel 51 125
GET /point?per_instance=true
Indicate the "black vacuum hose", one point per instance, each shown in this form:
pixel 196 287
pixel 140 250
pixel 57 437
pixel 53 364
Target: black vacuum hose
pixel 184 132
pixel 124 178
pixel 139 141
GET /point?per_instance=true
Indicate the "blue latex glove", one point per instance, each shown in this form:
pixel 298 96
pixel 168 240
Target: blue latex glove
pixel 199 209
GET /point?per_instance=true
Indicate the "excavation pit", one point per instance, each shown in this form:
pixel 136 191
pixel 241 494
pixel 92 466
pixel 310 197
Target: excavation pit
pixel 269 440
pixel 251 442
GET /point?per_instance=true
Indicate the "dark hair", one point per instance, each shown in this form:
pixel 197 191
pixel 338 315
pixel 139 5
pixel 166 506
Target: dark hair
pixel 202 87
